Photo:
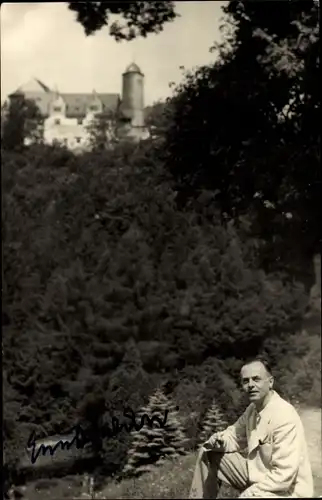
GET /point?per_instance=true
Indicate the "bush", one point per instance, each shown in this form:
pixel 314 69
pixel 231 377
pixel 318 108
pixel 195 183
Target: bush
pixel 297 367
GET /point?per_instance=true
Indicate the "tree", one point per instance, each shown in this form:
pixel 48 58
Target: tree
pixel 129 387
pixel 22 123
pixel 285 41
pixel 129 383
pixel 291 191
pixel 151 445
pixel 102 131
pixel 157 118
pixel 189 396
pixel 252 118
pixel 141 18
pixel 176 281
pixel 214 422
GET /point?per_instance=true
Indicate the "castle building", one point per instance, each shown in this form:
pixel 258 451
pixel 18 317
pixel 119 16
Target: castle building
pixel 68 115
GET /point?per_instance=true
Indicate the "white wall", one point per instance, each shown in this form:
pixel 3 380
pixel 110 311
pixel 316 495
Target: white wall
pixel 68 131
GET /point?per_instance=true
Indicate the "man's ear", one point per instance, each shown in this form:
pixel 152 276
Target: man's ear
pixel 271 382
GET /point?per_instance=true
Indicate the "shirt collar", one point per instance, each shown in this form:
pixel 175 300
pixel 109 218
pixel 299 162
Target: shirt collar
pixel 259 414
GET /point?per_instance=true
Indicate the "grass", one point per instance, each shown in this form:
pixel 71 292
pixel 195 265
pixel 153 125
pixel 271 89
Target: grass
pixel 49 489
pixel 173 478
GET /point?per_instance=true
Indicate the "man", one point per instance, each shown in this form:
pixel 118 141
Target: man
pixel 264 453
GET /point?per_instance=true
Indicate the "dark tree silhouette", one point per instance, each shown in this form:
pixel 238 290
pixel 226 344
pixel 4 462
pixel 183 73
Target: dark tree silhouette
pixel 21 123
pixel 140 18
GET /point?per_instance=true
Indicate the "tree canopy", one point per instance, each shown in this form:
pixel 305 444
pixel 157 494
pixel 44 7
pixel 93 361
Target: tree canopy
pixel 21 121
pixel 134 19
pixel 246 126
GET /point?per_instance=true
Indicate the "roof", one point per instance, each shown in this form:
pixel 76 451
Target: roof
pixel 76 103
pixel 37 91
pixel 133 68
pixel 33 85
pixel 46 89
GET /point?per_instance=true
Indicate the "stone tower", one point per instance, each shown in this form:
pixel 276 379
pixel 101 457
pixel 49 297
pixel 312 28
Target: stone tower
pixel 132 107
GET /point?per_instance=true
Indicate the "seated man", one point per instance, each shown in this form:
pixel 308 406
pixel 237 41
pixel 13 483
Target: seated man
pixel 275 461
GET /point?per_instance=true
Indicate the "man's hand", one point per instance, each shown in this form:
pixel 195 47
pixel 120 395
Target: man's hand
pixel 215 442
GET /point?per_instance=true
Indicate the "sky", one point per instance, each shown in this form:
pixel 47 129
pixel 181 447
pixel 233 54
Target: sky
pixel 43 40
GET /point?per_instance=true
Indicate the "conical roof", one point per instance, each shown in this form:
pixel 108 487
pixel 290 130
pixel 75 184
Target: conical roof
pixel 133 68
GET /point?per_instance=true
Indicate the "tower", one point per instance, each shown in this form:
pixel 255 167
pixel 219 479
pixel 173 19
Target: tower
pixel 133 99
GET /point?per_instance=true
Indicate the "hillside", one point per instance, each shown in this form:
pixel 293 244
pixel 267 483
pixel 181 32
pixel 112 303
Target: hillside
pixel 142 276
pixel 173 480
pixel 108 302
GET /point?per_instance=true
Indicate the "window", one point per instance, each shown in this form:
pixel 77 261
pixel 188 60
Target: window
pixel 93 108
pixel 78 139
pixel 79 121
pixel 57 109
pixel 57 121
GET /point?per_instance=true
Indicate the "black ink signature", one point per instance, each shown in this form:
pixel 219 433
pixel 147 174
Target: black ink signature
pixel 82 437
pixel 79 439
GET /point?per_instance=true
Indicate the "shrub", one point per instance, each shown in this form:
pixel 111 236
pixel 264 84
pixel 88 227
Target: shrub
pixel 152 444
pixel 297 367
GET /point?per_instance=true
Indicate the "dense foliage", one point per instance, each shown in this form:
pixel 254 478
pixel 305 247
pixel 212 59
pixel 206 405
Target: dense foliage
pixel 144 268
pixel 21 122
pixel 139 18
pixel 247 126
pixel 102 132
pixel 110 290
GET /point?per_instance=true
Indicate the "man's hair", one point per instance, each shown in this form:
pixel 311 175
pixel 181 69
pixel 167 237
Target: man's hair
pixel 262 359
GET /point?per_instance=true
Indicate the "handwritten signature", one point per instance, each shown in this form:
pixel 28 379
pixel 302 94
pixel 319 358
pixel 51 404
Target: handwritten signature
pixel 82 437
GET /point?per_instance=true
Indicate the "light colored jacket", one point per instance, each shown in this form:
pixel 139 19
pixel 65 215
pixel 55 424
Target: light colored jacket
pixel 277 454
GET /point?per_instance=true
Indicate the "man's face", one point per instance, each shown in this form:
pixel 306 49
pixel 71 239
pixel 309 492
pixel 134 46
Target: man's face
pixel 256 381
